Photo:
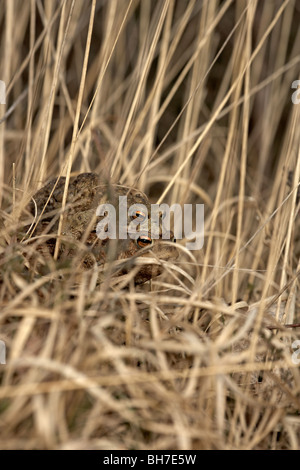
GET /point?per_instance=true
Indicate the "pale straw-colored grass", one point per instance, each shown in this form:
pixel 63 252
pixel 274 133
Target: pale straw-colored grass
pixel 190 101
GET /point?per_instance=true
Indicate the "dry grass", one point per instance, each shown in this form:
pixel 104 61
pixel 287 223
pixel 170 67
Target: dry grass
pixel 191 102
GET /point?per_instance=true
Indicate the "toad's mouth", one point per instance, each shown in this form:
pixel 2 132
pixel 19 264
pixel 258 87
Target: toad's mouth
pixel 151 261
pixel 143 267
pixel 141 262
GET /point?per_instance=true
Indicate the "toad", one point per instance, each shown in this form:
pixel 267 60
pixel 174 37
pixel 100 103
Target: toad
pixel 82 218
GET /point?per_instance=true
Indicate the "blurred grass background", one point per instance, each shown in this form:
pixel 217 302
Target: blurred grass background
pixel 190 101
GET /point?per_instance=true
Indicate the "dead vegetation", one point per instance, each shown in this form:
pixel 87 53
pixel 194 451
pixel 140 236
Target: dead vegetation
pixel 190 101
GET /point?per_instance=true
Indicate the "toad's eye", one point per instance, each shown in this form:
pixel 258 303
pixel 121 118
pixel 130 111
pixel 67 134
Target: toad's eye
pixel 163 215
pixel 143 241
pixel 138 215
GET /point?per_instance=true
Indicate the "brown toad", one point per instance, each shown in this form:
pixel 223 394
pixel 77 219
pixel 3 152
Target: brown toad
pixel 86 193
